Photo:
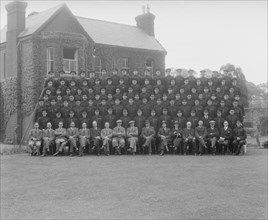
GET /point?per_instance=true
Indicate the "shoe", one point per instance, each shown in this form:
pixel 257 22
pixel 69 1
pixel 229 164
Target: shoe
pixel 200 154
pixel 56 154
pixel 71 155
pixel 162 153
pixel 43 155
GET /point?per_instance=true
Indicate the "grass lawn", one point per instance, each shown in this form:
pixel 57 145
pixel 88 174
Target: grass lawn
pixel 135 187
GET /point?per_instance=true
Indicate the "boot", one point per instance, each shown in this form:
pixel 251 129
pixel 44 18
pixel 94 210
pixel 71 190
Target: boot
pixel 162 152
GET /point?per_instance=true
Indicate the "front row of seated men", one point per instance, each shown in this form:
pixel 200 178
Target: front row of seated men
pixel 182 141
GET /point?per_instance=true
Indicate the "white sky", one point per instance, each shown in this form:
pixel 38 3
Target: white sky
pixel 196 34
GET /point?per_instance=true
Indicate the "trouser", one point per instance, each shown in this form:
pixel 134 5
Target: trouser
pixel 106 144
pixel 83 142
pixel 133 143
pixel 72 144
pixel 201 145
pixel 238 145
pixel 163 143
pixel 223 145
pixel 177 142
pixel 96 143
pixel 213 142
pixel 35 146
pixel 148 143
pixel 118 143
pixel 258 139
pixel 60 143
pixel 191 143
pixel 47 142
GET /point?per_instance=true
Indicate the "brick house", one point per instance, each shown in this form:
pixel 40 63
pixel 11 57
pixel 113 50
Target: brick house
pixel 55 40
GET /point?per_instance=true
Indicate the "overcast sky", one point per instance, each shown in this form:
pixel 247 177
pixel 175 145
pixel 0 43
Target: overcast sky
pixel 196 34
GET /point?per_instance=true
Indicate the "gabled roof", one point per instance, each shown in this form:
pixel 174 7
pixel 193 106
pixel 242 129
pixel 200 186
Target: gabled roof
pixel 102 32
pixel 33 22
pixel 110 33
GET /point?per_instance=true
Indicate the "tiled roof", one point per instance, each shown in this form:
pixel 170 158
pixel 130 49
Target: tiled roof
pixel 102 32
pixel 33 22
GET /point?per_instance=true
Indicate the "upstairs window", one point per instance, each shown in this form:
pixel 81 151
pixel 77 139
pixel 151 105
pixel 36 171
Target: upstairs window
pixel 97 64
pixel 70 60
pixel 50 59
pixel 125 63
pixel 150 64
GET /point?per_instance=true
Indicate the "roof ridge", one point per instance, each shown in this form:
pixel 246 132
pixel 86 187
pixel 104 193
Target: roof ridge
pixel 107 21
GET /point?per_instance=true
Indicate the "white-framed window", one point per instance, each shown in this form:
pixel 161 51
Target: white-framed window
pixel 70 60
pixel 50 59
pixel 97 64
pixel 125 63
pixel 150 65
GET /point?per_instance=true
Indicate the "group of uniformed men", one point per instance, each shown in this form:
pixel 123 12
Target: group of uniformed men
pixel 195 114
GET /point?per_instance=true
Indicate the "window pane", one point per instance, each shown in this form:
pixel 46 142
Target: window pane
pixel 69 53
pixel 72 66
pixel 66 66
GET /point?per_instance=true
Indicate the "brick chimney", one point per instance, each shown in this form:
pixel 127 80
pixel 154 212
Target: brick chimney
pixel 145 21
pixel 15 25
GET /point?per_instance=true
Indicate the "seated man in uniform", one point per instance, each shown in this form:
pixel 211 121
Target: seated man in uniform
pixel 61 140
pixel 188 136
pixel 72 134
pixel 106 136
pixel 48 138
pixel 132 137
pixel 176 135
pixel 225 138
pixel 35 140
pixel 201 135
pixel 239 135
pixel 213 134
pixel 119 134
pixel 147 136
pixel 84 135
pixel 95 135
pixel 164 135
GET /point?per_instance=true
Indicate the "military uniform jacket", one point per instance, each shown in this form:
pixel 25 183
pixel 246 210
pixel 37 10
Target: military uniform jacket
pixel 213 132
pixel 165 132
pixel 188 133
pixel 72 132
pixel 201 131
pixel 36 133
pixel 239 132
pixel 125 120
pixel 60 132
pixel 226 133
pixel 146 132
pixel 106 132
pixel 176 133
pixel 94 132
pixel 132 131
pixel 84 132
pixel 119 132
pixel 49 133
